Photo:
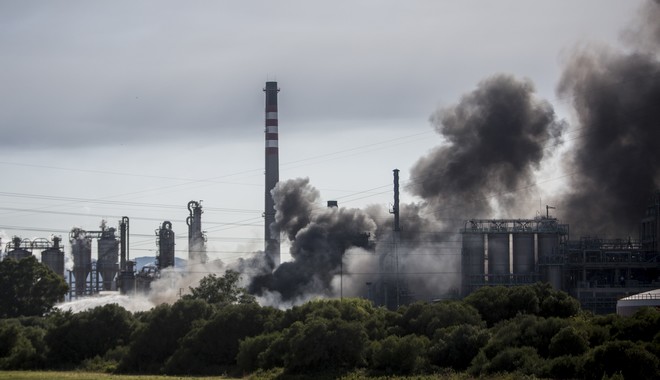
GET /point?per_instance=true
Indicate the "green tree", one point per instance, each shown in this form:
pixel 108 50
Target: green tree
pixel 555 303
pixel 212 346
pixel 22 345
pixel 221 290
pixel 158 335
pixel 28 287
pixel 631 359
pixel 456 346
pixel 400 354
pixel 319 344
pixel 423 318
pixel 84 335
pixel 253 352
pixel 569 341
pixel 492 302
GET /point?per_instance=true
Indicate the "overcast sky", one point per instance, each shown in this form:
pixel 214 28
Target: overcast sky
pixel 136 107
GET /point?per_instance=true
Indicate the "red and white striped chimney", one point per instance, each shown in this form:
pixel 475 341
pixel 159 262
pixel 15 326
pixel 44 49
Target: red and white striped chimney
pixel 271 233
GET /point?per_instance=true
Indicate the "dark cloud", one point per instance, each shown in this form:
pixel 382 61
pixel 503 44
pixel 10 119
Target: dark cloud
pixel 89 73
pixel 615 163
pixel 496 137
pixel 319 239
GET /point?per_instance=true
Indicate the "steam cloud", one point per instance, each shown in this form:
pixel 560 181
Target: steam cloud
pixel 614 164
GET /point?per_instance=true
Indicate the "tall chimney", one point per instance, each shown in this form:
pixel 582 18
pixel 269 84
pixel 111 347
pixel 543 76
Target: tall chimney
pixel 271 233
pixel 395 209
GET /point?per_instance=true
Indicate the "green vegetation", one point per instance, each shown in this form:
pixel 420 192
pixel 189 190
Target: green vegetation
pixel 532 331
pixel 28 288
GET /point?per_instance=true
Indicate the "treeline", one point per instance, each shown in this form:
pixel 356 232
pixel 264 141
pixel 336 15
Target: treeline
pixel 530 330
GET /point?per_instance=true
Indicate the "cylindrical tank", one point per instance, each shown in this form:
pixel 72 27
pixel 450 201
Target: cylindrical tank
pixel 523 253
pixel 127 278
pixel 81 250
pixel 18 252
pixel 548 244
pixel 108 257
pixel 472 260
pixel 165 245
pixel 548 249
pixel 553 276
pixel 498 254
pixel 53 257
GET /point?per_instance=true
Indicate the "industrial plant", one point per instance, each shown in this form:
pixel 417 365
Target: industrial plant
pixel 596 271
pixel 493 252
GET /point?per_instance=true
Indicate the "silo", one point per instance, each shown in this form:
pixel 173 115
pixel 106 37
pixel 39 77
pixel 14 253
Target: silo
pixel 108 257
pixel 53 257
pixel 498 255
pixel 472 260
pixel 18 251
pixel 523 253
pixel 548 250
pixel 81 250
pixel 548 244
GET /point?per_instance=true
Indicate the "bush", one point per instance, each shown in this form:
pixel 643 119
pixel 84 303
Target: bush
pixel 631 359
pixel 321 344
pixel 85 335
pixel 400 354
pixel 568 341
pixel 253 352
pixel 563 367
pixel 21 347
pixel 158 337
pixel 456 346
pixel 214 344
pixel 423 318
pixel 524 360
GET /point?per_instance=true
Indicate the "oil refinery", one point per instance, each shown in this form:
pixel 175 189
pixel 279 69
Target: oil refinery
pixel 492 252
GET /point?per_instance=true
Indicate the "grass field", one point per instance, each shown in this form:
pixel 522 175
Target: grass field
pixel 74 375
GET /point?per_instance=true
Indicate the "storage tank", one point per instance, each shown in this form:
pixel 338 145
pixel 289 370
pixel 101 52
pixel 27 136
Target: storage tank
pixel 81 250
pixel 498 255
pixel 165 245
pixel 472 259
pixel 548 250
pixel 548 244
pixel 53 257
pixel 108 256
pixel 18 250
pixel 127 278
pixel 523 253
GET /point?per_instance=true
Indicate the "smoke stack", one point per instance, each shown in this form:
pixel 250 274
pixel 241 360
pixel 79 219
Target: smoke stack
pixel 395 209
pixel 333 204
pixel 271 230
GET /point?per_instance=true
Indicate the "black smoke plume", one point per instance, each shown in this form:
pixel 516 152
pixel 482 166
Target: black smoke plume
pixel 615 161
pixel 497 136
pixel 319 239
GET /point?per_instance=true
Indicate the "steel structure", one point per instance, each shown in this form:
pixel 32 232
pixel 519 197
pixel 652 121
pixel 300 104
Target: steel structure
pixel 106 264
pixel 272 176
pixel 18 248
pixel 165 243
pixel 51 255
pixel 126 281
pixel 511 252
pixel 196 238
pixel 594 270
pixel 598 272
